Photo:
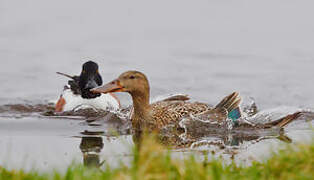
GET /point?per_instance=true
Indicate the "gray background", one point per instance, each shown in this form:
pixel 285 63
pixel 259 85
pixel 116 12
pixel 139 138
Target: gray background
pixel 206 48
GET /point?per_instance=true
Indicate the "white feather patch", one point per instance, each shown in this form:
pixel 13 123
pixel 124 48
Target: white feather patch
pixel 75 102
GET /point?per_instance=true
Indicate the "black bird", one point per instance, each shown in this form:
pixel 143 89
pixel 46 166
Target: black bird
pixel 78 93
pixel 88 79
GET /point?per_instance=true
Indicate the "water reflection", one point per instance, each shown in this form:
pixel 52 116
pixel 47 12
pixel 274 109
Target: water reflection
pixel 235 141
pixel 91 147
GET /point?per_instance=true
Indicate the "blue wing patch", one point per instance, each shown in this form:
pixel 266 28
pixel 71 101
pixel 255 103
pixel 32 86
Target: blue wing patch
pixel 235 114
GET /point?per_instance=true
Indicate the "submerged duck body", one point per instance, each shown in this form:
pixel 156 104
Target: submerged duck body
pixel 77 93
pixel 155 116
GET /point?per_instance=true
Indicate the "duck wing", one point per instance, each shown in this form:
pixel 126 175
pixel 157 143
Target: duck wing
pixel 231 105
pixel 158 101
pixel 227 108
pixel 73 83
pixel 173 109
pixel 74 86
pixel 171 97
pixel 167 112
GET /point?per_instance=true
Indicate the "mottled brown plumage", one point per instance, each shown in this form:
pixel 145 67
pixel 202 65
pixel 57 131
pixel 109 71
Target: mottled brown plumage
pixel 167 112
pixel 155 116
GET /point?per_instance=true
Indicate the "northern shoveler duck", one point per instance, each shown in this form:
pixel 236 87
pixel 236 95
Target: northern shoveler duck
pixel 155 116
pixel 77 92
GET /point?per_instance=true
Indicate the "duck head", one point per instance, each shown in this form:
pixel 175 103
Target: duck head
pixel 89 79
pixel 136 84
pixel 133 82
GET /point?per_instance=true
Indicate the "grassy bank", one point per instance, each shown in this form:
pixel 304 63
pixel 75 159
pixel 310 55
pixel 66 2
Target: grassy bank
pixel 154 162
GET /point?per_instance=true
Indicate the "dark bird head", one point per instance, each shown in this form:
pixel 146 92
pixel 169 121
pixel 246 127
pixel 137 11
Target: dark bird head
pixel 89 79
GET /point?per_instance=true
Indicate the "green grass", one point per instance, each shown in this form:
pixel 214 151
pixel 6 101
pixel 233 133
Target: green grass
pixel 153 161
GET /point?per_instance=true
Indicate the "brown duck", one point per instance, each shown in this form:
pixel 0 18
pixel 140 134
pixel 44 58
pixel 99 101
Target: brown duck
pixel 155 116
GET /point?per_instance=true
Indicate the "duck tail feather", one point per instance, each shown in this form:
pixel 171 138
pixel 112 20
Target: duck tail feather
pixel 285 120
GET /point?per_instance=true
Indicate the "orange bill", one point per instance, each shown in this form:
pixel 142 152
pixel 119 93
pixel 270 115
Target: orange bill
pixel 113 86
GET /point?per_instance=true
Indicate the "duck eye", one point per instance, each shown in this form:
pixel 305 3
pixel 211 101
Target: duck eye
pixel 132 77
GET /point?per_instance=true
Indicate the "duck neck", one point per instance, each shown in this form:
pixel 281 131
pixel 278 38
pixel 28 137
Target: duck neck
pixel 141 118
pixel 141 106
